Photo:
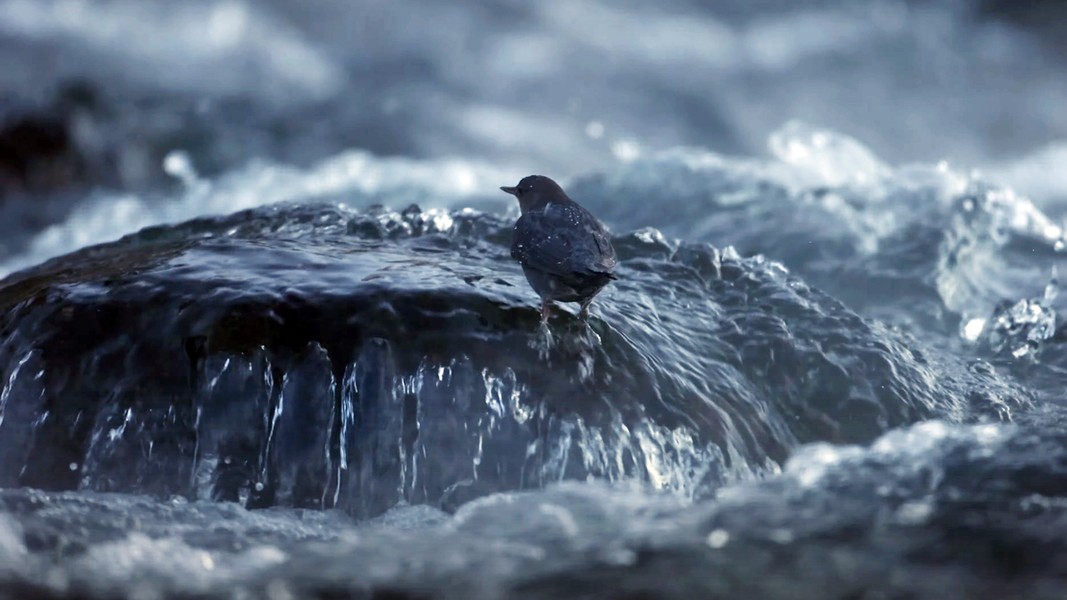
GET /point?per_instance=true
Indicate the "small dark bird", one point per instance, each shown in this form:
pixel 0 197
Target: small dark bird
pixel 564 251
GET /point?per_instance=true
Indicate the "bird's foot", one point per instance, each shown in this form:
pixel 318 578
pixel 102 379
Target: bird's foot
pixel 546 311
pixel 544 341
pixel 583 314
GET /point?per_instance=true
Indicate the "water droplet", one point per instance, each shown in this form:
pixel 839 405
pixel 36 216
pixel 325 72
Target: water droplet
pixel 626 150
pixel 595 130
pixel 718 538
pixel 781 536
pixel 972 329
pixel 177 164
pixel 915 512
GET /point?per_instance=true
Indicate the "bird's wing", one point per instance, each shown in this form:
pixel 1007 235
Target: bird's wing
pixel 607 258
pixel 563 240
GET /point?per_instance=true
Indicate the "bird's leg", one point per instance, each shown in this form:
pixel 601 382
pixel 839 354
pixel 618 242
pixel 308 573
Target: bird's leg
pixel 584 313
pixel 546 309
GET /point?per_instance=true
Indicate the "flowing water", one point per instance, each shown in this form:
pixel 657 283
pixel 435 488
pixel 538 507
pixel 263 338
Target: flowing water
pixel 831 365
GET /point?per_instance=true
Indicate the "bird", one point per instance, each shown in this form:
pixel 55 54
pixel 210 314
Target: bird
pixel 565 252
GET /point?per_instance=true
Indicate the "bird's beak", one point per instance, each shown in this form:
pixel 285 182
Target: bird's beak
pixel 514 191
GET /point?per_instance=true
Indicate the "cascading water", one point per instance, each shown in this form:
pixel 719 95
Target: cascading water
pixel 292 358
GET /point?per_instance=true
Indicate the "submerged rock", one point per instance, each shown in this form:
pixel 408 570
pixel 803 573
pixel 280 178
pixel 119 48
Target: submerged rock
pixel 317 356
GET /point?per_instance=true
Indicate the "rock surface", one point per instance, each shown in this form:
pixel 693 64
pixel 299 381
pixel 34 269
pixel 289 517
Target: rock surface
pixel 311 355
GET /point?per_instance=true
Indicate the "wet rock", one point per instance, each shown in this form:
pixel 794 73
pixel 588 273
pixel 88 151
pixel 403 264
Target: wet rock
pixel 313 355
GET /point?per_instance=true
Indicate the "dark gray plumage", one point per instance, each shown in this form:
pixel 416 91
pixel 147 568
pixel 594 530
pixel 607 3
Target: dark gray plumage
pixel 564 251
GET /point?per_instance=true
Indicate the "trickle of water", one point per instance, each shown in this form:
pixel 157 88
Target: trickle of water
pixel 231 436
pixel 298 467
pixel 543 342
pixel 1052 288
pixel 21 414
pixel 372 432
pixel 9 385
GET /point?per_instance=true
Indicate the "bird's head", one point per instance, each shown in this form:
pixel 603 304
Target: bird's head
pixel 535 192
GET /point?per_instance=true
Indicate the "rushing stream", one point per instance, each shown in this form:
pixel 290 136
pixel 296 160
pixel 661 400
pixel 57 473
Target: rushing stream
pixel 311 369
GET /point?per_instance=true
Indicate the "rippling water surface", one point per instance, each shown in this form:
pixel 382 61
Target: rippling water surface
pixel 261 335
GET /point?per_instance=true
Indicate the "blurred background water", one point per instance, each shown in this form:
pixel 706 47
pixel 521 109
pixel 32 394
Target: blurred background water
pixel 883 185
pixel 97 95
